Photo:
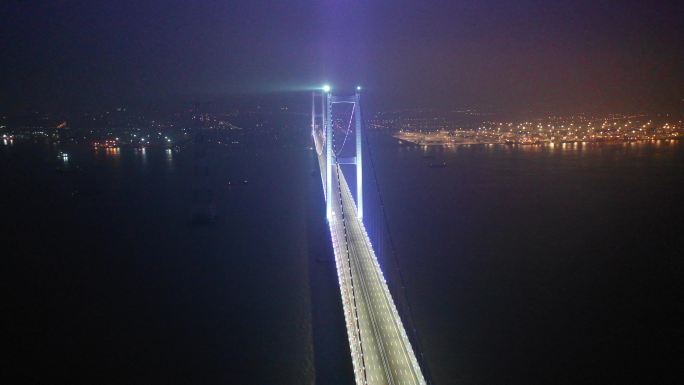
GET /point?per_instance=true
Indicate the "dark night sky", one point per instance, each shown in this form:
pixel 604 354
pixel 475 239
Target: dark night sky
pixel 500 54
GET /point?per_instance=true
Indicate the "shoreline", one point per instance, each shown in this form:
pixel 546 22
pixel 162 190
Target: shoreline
pixel 536 143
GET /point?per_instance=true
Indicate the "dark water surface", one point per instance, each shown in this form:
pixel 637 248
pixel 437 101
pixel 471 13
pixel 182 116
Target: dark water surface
pixel 521 265
pixel 109 282
pixel 538 264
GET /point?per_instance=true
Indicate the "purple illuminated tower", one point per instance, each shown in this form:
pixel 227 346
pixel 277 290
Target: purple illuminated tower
pixel 331 158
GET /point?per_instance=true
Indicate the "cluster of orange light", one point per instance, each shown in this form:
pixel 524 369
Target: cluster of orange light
pixel 106 144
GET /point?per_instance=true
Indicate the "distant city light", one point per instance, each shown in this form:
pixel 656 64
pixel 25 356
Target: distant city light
pixel 578 129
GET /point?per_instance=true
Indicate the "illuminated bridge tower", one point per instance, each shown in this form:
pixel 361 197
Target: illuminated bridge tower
pixel 330 156
pixel 380 349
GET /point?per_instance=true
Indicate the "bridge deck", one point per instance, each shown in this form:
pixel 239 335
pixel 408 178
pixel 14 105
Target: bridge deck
pixel 381 351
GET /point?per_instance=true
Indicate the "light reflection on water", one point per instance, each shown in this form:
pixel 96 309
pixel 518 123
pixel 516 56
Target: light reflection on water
pixel 113 152
pixel 570 147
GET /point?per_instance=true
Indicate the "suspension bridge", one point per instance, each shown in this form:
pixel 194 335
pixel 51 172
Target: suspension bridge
pixel 380 348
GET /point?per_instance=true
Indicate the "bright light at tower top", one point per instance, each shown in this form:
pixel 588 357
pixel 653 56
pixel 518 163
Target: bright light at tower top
pixel 358 88
pixel 326 88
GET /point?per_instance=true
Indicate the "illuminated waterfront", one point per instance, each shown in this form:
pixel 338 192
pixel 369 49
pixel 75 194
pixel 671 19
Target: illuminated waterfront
pixel 551 131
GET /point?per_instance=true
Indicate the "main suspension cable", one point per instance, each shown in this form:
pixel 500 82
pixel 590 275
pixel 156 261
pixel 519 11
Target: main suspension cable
pixel 351 117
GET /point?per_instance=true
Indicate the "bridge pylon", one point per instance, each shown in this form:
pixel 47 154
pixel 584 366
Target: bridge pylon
pixel 331 159
pixel 381 351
